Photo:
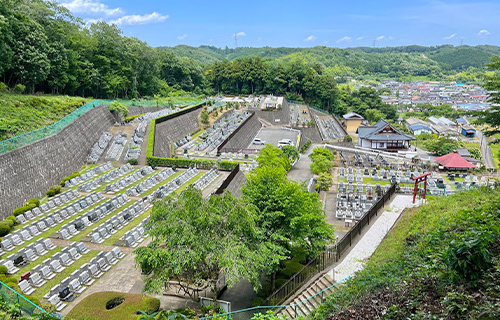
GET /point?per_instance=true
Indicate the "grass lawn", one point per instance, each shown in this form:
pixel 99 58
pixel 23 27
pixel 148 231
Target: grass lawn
pixel 38 261
pixel 93 307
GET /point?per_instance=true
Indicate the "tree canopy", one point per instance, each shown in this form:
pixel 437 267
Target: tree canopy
pixel 197 240
pixel 491 116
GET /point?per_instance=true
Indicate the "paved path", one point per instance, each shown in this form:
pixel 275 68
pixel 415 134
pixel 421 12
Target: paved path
pixel 485 151
pixel 301 171
pixel 355 259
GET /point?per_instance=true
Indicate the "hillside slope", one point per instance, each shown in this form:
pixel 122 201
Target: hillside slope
pixel 441 261
pixel 23 113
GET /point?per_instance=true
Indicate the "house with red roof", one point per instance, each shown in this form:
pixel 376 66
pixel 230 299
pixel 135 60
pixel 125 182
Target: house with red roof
pixel 454 161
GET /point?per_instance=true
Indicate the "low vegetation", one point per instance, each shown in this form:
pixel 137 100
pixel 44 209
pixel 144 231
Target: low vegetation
pixel 95 306
pixel 440 261
pixel 23 113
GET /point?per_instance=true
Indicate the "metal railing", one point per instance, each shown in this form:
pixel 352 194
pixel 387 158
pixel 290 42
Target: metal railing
pixel 10 296
pixel 326 258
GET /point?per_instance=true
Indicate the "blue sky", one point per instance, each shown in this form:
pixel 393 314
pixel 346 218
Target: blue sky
pixel 298 23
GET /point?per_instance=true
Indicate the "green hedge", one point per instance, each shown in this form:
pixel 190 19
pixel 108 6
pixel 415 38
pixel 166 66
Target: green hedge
pixel 73 175
pixel 305 146
pixel 181 163
pixel 128 119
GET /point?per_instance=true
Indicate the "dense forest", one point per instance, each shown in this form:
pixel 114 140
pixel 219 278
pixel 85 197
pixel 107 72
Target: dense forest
pixel 44 48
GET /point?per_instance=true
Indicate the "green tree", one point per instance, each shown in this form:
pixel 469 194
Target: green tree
pixel 204 117
pixel 118 108
pixel 325 181
pixel 491 116
pixel 197 240
pixel 289 215
pixel 291 152
pixel 271 156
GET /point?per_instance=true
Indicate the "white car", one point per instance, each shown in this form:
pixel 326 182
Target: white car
pixel 258 141
pixel 285 142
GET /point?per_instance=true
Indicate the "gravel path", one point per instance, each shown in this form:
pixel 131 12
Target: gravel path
pixel 355 260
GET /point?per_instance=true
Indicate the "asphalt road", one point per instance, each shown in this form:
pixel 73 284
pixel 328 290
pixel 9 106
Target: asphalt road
pixel 485 151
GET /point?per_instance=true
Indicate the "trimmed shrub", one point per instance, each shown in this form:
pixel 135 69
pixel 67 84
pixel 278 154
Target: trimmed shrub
pixel 151 305
pixel 128 119
pixel 3 270
pixel 35 201
pixel 53 191
pixel 133 161
pixel 3 87
pixel 13 219
pixel 35 300
pixel 4 230
pixel 73 175
pixel 305 146
pixel 20 210
pixel 7 222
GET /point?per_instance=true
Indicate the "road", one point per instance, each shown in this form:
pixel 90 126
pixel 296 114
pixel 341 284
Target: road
pixel 485 151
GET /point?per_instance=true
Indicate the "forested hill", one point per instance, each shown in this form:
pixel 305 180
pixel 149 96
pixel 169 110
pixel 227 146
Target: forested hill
pixel 444 58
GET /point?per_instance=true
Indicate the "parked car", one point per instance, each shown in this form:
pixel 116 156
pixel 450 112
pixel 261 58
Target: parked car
pixel 285 142
pixel 258 141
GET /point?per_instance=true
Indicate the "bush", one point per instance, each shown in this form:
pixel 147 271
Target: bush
pixel 133 161
pixel 347 138
pixel 4 230
pixel 3 87
pixel 291 268
pixel 305 146
pixel 20 210
pixel 8 223
pixel 128 119
pixel 3 270
pixel 35 201
pixel 35 300
pixel 73 175
pixel 53 191
pixel 151 305
pixel 19 88
pixel 13 219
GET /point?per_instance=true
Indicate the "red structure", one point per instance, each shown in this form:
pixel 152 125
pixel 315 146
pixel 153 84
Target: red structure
pixel 421 178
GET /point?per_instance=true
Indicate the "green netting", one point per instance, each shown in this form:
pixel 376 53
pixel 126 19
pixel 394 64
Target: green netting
pixel 29 137
pixel 10 296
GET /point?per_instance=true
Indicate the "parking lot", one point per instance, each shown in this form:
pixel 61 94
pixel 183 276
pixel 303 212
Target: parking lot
pixel 272 136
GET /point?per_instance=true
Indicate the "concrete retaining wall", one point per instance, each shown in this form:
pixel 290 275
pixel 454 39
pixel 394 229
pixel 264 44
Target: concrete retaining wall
pixel 132 111
pixel 310 133
pixel 173 130
pixel 243 136
pixel 271 116
pixel 29 171
pixel 235 185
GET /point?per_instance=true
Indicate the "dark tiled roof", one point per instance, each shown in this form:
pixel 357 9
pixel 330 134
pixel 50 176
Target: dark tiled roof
pixel 375 133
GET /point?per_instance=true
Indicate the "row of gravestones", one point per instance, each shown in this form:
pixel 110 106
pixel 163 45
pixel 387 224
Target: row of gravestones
pixel 109 176
pixel 135 145
pixel 99 147
pixel 29 171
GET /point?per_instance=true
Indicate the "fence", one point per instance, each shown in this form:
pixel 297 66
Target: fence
pixel 29 137
pixel 10 296
pixel 327 257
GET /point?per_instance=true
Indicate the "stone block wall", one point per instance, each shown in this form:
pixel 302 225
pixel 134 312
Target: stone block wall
pixel 132 111
pixel 29 171
pixel 243 137
pixel 311 133
pixel 270 116
pixel 173 130
pixel 235 185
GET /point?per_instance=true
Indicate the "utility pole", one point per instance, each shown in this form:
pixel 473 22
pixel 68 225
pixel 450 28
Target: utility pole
pixel 235 40
pixel 374 43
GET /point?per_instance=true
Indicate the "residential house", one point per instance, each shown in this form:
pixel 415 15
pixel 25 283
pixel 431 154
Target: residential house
pixel 383 136
pixel 352 121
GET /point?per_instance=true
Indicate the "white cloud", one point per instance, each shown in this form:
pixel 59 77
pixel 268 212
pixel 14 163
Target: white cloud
pixel 360 38
pixel 451 36
pixel 345 39
pixel 182 37
pixel 326 42
pixel 91 7
pixel 380 38
pixel 310 38
pixel 483 33
pixel 239 34
pixel 138 19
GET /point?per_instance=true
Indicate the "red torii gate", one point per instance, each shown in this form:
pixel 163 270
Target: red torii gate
pixel 417 181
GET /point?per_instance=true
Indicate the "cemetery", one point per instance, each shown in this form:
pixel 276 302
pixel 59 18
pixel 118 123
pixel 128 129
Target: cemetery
pixel 66 242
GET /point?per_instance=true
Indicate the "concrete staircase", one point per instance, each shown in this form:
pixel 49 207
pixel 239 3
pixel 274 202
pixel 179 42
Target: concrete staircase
pixel 306 307
pixel 265 123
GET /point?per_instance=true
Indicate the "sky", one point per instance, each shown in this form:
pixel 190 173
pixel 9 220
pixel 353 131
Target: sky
pixel 302 23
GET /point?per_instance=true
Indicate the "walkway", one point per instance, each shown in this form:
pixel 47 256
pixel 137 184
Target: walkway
pixel 355 259
pixel 301 171
pixel 485 151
